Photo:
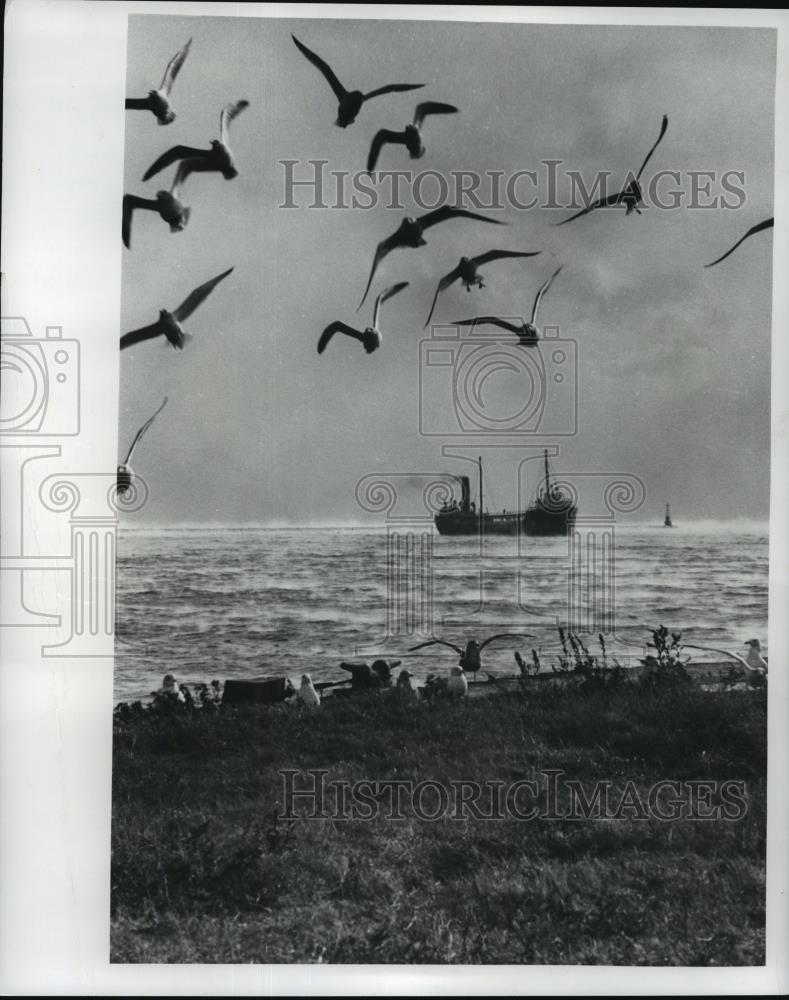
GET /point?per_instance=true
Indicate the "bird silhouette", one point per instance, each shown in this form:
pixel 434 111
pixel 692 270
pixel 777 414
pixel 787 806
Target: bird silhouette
pixel 411 136
pixel 125 471
pixel 168 204
pixel 631 196
pixel 527 332
pixel 410 234
pixel 218 157
pixel 466 271
pixel 169 323
pixel 767 224
pixel 470 657
pixel 371 337
pixel 351 101
pixel 158 101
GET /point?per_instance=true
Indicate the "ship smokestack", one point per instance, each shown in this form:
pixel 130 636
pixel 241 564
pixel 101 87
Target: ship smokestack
pixel 465 495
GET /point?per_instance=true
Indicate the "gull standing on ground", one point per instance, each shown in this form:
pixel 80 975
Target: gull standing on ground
pixel 457 683
pixel 371 337
pixel 527 332
pixel 631 196
pixel 470 658
pixel 125 471
pixel 411 136
pixel 760 227
pixel 410 234
pixel 169 323
pixel 351 101
pixel 307 693
pixel 218 157
pixel 158 101
pixel 466 271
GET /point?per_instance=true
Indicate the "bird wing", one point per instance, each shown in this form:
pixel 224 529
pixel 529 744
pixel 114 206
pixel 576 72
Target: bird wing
pixel 436 642
pixel 383 248
pixel 663 128
pixel 130 202
pixel 432 108
pixel 611 199
pixel 144 333
pixel 445 282
pixel 226 116
pixel 173 68
pixel 543 289
pixel 486 258
pixel 142 431
pixel 392 88
pixel 723 652
pixel 504 635
pixel 387 294
pixel 493 320
pixel 380 138
pixel 334 83
pixel 193 299
pixel 137 103
pixel 767 224
pixel 337 327
pixel 446 212
pixel 173 154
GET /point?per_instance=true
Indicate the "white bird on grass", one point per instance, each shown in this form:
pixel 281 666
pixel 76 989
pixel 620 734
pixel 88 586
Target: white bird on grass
pixel 457 683
pixel 307 693
pixel 125 471
pixel 158 101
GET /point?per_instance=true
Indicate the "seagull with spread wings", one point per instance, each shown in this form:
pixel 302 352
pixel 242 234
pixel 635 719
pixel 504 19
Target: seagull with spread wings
pixel 158 101
pixel 467 272
pixel 125 471
pixel 470 659
pixel 167 203
pixel 410 234
pixel 371 337
pixel 527 332
pixel 351 101
pixel 169 323
pixel 411 136
pixel 760 227
pixel 218 157
pixel 631 196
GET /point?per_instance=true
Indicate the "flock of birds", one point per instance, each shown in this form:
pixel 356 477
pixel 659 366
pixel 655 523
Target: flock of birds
pixel 218 158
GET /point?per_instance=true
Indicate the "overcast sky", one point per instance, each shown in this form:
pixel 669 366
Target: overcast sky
pixel 673 360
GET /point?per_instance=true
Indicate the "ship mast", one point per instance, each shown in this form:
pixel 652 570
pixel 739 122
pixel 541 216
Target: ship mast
pixel 667 522
pixel 481 508
pixel 547 480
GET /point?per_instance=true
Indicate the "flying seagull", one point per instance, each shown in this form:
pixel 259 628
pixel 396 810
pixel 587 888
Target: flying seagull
pixel 466 271
pixel 351 101
pixel 167 203
pixel 158 101
pixel 410 234
pixel 169 323
pixel 470 658
pixel 217 157
pixel 411 136
pixel 527 332
pixel 371 337
pixel 125 471
pixel 767 224
pixel 631 195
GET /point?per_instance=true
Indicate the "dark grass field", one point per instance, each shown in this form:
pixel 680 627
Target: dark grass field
pixel 202 871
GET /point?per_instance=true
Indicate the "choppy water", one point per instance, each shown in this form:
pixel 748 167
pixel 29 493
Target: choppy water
pixel 208 603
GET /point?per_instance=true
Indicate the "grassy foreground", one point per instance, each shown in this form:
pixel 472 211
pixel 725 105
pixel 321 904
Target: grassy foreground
pixel 203 872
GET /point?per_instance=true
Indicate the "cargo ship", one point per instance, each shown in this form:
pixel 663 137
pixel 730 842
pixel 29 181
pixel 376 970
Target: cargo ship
pixel 552 512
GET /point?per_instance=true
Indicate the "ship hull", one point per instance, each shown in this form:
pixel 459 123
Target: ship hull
pixel 535 522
